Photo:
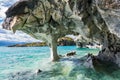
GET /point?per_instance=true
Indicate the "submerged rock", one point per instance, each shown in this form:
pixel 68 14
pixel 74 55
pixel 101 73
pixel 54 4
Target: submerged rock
pixel 38 71
pixel 23 75
pixel 72 53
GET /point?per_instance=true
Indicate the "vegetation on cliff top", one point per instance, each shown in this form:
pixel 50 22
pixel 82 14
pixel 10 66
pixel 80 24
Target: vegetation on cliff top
pixel 64 41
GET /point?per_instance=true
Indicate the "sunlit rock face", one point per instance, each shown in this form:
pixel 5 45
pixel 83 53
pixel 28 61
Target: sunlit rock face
pixel 51 19
pixel 111 14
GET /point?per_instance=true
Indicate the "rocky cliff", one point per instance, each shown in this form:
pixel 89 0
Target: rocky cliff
pixel 51 19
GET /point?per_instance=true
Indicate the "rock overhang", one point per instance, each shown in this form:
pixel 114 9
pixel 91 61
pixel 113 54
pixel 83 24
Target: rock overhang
pixel 47 18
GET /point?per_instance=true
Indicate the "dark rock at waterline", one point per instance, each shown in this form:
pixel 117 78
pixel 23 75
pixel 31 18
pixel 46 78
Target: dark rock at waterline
pixel 66 41
pixel 72 53
pixel 38 71
pixel 109 58
pixel 100 65
pixel 105 66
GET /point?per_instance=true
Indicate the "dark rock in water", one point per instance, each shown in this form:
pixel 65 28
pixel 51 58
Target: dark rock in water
pixel 71 53
pixel 108 63
pixel 23 75
pixel 38 71
pixel 100 65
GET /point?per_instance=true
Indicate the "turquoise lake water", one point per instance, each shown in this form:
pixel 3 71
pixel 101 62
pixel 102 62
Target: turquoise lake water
pixel 21 63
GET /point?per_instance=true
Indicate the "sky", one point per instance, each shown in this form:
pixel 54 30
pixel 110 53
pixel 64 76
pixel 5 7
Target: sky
pixel 8 37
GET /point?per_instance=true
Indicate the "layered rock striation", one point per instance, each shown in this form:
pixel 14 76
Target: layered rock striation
pixel 50 19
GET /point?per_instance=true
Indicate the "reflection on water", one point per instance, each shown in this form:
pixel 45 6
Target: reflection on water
pixel 22 63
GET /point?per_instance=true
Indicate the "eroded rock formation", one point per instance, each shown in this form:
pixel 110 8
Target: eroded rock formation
pixel 51 19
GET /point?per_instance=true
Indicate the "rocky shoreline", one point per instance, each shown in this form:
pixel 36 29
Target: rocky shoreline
pixel 34 44
pixel 64 41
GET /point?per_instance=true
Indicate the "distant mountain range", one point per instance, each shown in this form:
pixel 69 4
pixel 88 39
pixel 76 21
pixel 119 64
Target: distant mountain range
pixel 8 37
pixel 8 43
pixel 64 41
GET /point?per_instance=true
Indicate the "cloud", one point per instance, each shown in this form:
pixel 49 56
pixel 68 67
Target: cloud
pixel 19 36
pixel 2 11
pixel 4 4
pixel 9 36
